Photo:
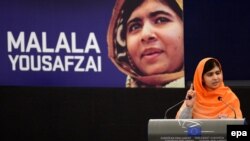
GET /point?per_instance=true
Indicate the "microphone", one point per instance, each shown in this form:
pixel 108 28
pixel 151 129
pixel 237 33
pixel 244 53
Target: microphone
pixel 166 112
pixel 228 105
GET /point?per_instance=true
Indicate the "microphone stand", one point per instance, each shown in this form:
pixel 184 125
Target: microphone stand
pixel 220 99
pixel 165 115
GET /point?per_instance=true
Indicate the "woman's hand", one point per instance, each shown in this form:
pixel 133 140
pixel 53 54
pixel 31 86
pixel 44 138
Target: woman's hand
pixel 190 97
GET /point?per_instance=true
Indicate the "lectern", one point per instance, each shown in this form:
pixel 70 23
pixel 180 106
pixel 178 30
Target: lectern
pixel 189 129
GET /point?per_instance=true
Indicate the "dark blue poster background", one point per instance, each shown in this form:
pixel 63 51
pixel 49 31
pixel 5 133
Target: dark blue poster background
pixel 212 28
pixel 56 43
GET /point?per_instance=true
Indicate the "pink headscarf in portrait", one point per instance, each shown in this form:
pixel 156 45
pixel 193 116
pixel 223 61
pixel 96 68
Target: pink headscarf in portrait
pixel 117 49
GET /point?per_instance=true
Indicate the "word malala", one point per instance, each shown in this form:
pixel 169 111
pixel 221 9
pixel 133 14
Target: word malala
pixel 30 53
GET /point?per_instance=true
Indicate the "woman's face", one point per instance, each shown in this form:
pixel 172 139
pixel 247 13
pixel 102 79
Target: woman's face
pixel 155 38
pixel 213 78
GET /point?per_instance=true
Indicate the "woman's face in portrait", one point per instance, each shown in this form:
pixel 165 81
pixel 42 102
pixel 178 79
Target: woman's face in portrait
pixel 213 78
pixel 155 38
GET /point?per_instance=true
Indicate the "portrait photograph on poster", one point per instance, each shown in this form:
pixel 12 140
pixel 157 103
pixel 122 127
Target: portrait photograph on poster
pixel 93 44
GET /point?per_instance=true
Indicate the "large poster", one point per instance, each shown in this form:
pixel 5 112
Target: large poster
pixel 64 43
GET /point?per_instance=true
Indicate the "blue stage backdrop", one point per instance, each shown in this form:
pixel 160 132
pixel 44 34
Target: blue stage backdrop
pixel 63 42
pixel 56 43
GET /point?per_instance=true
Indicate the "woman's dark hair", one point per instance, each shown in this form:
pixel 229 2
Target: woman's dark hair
pixel 210 64
pixel 120 28
pixel 130 5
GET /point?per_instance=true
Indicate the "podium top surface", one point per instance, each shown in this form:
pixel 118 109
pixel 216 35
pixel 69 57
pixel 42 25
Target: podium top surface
pixel 159 128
